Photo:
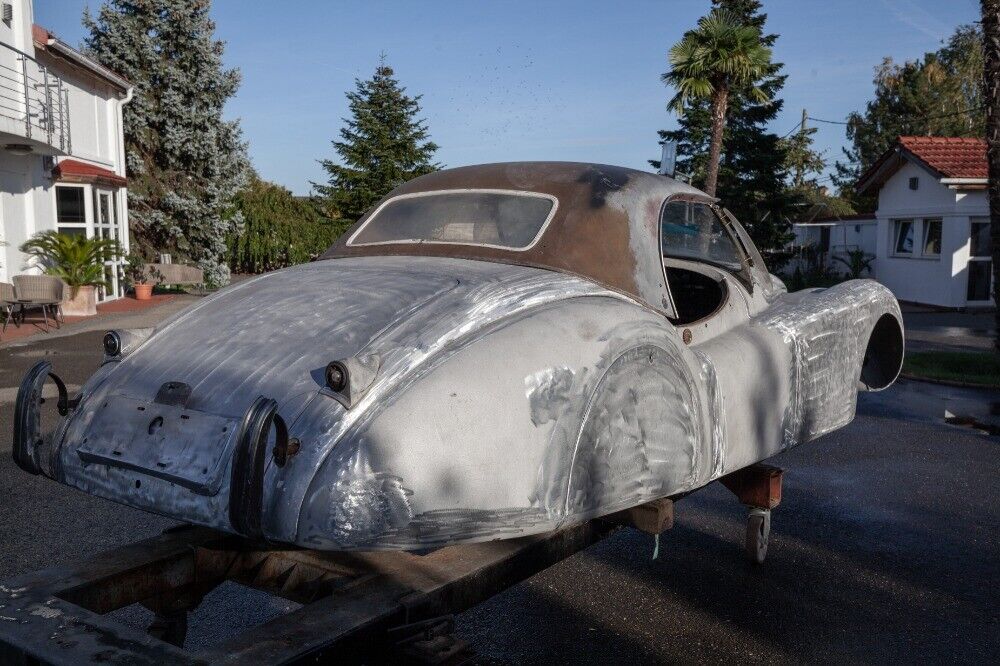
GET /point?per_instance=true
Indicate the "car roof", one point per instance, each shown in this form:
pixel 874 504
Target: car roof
pixel 605 227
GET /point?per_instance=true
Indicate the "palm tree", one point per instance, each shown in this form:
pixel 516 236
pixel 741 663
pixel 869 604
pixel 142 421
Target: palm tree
pixel 991 93
pixel 857 261
pixel 721 54
pixel 77 260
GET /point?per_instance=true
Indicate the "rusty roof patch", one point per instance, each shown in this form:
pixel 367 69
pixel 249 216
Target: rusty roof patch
pixel 604 229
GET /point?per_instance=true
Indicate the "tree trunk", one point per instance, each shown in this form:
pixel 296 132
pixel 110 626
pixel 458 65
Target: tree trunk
pixel 719 101
pixel 991 93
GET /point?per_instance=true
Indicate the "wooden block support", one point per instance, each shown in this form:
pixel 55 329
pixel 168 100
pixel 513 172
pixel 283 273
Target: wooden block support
pixel 757 485
pixel 653 517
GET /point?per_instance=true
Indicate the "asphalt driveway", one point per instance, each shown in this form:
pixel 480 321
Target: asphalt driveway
pixel 885 549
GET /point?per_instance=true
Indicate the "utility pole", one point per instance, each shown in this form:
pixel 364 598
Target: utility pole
pixel 800 169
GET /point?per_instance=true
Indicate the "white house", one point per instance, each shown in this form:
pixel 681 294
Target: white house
pixel 62 158
pixel 933 229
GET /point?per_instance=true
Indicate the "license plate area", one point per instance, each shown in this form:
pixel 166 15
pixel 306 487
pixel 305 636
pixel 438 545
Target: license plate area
pixel 183 446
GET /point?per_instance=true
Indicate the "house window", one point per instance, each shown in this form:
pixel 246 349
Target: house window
pixel 932 238
pixel 902 231
pixel 979 238
pixel 71 216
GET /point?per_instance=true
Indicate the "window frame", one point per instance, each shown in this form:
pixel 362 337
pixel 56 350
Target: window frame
pixel 85 223
pixel 743 275
pixel 472 190
pixel 894 236
pixel 924 226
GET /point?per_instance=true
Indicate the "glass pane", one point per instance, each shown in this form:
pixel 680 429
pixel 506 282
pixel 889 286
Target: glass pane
pixel 105 205
pixel 72 231
pixel 932 237
pixel 473 218
pixel 904 237
pixel 980 237
pixel 69 204
pixel 979 280
pixel 692 231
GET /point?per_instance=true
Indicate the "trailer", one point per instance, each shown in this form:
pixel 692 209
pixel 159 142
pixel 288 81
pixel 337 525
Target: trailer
pixel 355 606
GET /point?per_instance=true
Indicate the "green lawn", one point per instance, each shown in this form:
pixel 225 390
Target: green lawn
pixel 982 368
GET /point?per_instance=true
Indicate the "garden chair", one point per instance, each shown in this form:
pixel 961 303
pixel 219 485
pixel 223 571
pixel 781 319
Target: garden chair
pixel 8 302
pixel 43 292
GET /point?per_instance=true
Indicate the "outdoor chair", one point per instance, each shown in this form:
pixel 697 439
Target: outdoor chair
pixel 42 292
pixel 8 302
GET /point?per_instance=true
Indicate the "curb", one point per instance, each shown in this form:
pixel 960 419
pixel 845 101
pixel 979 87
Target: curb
pixel 949 382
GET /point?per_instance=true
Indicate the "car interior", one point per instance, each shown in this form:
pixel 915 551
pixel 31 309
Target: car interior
pixel 695 294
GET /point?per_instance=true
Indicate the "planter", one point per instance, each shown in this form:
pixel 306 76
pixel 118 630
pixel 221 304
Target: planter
pixel 83 305
pixel 143 292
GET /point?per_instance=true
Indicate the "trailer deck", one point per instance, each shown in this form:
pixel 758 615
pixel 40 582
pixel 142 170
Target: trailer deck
pixel 355 605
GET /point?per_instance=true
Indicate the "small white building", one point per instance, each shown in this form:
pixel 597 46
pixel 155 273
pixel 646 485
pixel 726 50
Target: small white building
pixel 62 154
pixel 933 230
pixel 834 236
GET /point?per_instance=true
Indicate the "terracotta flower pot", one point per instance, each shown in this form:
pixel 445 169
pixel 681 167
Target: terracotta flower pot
pixel 84 304
pixel 143 292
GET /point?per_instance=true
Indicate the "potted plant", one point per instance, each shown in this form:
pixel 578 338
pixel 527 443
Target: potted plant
pixel 78 261
pixel 141 276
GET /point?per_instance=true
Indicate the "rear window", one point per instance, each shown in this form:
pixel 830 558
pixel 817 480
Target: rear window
pixel 510 220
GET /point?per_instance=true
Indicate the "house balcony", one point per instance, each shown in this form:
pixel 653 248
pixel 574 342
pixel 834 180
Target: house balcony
pixel 34 106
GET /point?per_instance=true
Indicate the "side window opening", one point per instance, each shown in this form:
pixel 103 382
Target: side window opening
pixel 692 231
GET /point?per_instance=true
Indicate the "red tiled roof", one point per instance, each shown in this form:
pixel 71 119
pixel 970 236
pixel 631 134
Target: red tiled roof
pixel 81 172
pixel 952 157
pixel 39 34
pixel 946 157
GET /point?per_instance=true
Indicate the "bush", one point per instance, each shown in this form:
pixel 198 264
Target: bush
pixel 279 230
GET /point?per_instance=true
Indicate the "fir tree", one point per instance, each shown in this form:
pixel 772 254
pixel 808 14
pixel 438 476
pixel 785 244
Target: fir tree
pixel 382 145
pixel 185 163
pixel 752 171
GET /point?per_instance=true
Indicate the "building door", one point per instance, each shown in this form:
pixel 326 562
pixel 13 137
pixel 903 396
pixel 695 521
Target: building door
pixel 106 226
pixel 980 265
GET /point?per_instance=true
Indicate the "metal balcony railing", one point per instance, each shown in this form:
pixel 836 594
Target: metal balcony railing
pixel 34 98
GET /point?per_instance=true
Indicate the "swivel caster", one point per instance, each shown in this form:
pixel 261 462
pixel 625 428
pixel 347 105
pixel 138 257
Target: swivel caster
pixel 170 627
pixel 758 531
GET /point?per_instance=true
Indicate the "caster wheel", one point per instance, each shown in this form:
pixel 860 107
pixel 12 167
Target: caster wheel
pixel 170 627
pixel 758 531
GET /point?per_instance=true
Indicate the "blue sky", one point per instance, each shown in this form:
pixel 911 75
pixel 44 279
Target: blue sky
pixel 505 81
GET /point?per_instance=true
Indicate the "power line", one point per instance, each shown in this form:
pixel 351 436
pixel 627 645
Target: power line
pixel 943 115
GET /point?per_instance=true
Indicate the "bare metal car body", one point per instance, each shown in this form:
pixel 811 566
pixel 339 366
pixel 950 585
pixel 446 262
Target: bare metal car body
pixel 485 392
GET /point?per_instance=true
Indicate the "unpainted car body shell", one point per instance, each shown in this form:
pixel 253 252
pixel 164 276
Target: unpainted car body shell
pixel 503 399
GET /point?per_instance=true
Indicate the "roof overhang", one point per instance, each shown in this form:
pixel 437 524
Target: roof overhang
pixel 51 44
pixel 75 171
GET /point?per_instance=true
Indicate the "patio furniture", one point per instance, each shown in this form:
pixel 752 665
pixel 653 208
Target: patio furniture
pixel 40 292
pixel 178 274
pixel 8 303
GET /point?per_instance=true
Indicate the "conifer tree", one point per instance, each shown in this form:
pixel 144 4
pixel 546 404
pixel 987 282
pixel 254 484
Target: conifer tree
pixel 185 163
pixel 382 145
pixel 752 171
pixel 940 94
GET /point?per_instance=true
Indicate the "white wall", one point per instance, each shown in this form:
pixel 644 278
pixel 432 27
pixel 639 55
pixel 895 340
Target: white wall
pixel 938 280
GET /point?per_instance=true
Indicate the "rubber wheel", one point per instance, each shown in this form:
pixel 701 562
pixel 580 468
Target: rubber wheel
pixel 758 531
pixel 171 628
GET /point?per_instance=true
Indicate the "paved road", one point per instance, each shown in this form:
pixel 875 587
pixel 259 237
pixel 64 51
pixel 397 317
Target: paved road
pixel 948 331
pixel 886 549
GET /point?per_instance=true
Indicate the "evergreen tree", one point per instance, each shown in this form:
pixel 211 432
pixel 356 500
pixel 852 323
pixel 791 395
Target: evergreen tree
pixel 279 229
pixel 752 170
pixel 382 145
pixel 185 163
pixel 804 164
pixel 939 94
